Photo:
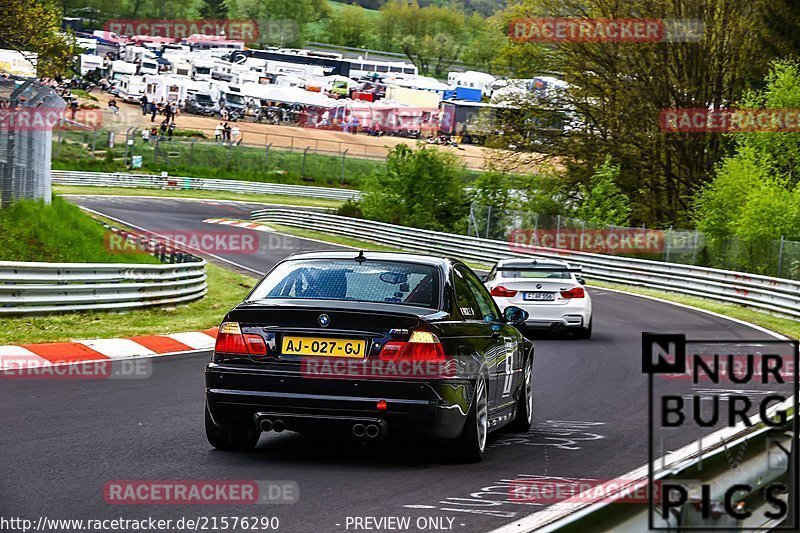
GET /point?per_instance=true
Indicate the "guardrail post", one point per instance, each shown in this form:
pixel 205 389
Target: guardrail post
pixel 344 154
pixel 780 256
pixel 303 165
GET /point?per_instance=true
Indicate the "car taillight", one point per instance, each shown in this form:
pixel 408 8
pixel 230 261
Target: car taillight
pixel 230 340
pixel 503 292
pixel 575 292
pixel 420 346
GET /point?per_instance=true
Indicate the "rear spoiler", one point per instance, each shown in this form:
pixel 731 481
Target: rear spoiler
pixel 524 268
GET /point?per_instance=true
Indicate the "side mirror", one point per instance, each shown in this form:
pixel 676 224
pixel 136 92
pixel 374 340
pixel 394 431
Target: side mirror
pixel 515 315
pixel 581 281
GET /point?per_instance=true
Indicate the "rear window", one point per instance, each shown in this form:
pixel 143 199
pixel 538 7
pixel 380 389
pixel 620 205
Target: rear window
pixel 554 272
pixel 345 279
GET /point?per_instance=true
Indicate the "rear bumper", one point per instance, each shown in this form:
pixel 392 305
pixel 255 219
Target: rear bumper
pixel 421 409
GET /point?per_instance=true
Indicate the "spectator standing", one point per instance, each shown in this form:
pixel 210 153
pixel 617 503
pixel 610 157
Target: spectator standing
pixel 235 133
pixel 218 132
pixel 153 111
pixel 226 133
pixel 170 129
pixel 145 135
pixel 143 102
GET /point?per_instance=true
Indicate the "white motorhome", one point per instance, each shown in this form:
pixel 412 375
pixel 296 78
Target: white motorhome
pixel 131 88
pixel 165 88
pixel 148 66
pixel 90 62
pixel 202 67
pixel 473 80
pixel 19 63
pixel 133 53
pixel 181 66
pixel 118 69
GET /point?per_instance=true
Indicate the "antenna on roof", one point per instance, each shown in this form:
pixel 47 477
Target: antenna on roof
pixel 360 257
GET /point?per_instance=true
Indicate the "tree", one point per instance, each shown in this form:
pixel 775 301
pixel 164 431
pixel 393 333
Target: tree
pixel 754 196
pixel 214 9
pixel 431 37
pixel 348 26
pixel 602 202
pixel 285 20
pixel 618 90
pixel 420 188
pixel 34 26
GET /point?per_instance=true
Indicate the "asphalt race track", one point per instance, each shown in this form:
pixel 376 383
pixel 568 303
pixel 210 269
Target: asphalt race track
pixel 62 440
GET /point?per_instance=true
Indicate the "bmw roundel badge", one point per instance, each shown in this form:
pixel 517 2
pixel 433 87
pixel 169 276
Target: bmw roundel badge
pixel 324 320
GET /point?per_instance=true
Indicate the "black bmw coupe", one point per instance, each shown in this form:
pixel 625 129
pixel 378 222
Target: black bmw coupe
pixel 377 345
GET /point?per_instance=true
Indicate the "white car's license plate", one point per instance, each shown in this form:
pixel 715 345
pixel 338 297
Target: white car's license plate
pixel 539 296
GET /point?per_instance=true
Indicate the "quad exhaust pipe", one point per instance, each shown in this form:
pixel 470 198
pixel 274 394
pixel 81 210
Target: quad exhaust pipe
pixel 370 431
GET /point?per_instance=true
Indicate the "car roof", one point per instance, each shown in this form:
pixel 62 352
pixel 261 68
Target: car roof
pixel 533 262
pixel 434 261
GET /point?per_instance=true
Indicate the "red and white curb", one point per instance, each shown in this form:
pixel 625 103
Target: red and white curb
pixel 57 353
pixel 239 224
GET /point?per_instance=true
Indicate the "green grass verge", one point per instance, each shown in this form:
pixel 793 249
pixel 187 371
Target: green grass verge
pixel 57 233
pixel 210 160
pixel 206 195
pixel 787 326
pixel 225 289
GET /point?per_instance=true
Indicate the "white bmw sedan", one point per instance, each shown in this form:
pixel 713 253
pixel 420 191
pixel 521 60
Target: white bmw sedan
pixel 548 289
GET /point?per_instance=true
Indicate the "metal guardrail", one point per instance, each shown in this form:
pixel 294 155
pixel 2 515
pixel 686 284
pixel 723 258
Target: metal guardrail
pixel 150 181
pixel 775 295
pixel 29 288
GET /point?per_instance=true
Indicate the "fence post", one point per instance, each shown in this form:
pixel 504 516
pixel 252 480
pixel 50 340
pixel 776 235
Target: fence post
pixel 694 250
pixel 583 227
pixel 488 220
pixel 469 218
pixel 94 141
pixel 191 151
pixel 668 239
pixel 228 164
pixel 58 143
pixel 344 154
pixel 558 228
pixel 303 165
pixel 266 156
pixel 780 257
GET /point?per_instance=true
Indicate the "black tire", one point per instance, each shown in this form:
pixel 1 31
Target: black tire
pixel 585 333
pixel 524 412
pixel 470 445
pixel 233 438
